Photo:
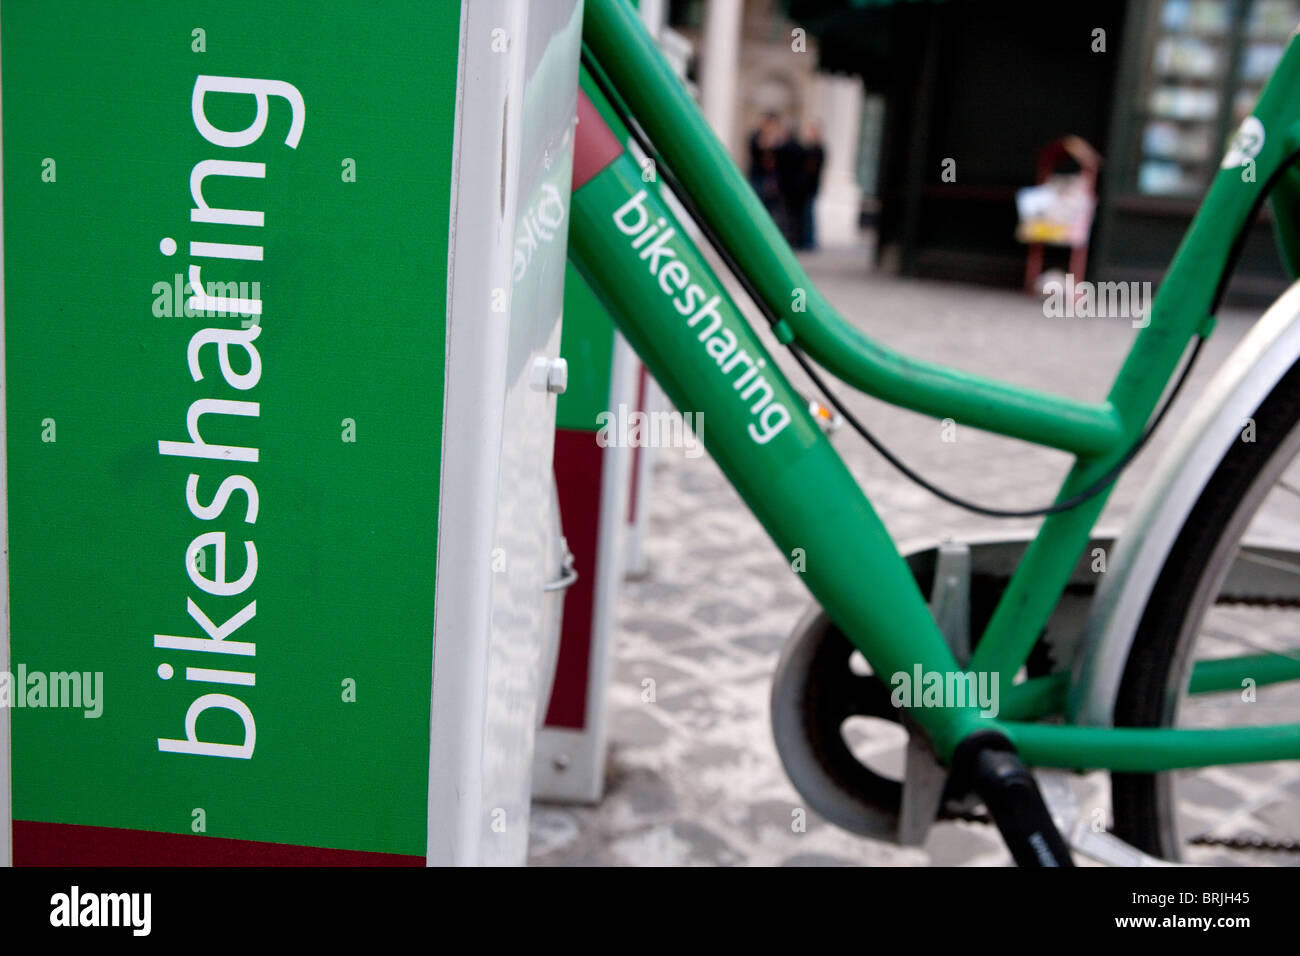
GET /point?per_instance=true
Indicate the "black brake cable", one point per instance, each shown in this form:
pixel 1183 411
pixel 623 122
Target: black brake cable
pixel 684 197
pixel 1072 502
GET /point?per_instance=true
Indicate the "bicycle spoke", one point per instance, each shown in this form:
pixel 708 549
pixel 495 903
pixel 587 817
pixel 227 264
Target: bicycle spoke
pixel 1249 554
pixel 1285 483
pixel 1243 640
pixel 1262 799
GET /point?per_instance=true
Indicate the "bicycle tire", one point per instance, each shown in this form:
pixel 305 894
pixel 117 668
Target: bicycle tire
pixel 1156 671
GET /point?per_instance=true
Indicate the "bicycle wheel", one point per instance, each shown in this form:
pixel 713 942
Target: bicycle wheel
pixel 1229 588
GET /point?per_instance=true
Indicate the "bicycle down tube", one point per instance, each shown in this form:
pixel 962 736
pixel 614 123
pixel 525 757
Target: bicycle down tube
pixel 641 262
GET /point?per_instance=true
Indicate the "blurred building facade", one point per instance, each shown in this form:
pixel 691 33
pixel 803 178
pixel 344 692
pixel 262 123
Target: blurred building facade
pixel 749 59
pixel 905 89
pixel 1191 71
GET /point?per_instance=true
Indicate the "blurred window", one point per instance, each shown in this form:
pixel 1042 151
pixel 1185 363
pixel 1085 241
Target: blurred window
pixel 1207 62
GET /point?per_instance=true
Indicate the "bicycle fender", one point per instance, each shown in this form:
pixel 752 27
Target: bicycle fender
pixel 1266 354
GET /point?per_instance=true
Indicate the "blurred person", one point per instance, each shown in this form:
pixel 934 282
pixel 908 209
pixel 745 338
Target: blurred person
pixel 814 159
pixel 791 182
pixel 764 145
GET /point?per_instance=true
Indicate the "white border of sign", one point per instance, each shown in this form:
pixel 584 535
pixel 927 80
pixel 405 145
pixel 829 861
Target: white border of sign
pixel 485 174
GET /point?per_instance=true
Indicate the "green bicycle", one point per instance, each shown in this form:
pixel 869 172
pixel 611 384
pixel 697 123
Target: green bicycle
pixel 1174 642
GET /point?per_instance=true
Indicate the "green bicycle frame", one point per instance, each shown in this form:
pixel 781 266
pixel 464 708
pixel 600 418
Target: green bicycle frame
pixel 640 260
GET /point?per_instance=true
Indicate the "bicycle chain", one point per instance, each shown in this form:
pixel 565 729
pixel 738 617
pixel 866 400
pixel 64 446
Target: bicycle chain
pixel 1249 843
pixel 966 816
pixel 1228 843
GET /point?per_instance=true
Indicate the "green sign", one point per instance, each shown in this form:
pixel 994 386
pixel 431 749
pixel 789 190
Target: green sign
pixel 226 229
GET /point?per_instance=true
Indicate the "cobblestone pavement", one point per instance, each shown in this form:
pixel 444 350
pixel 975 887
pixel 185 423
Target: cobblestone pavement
pixel 694 778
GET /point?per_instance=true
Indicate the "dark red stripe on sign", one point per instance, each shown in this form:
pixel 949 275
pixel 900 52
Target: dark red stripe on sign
pixel 594 146
pixel 578 464
pixel 632 502
pixel 65 844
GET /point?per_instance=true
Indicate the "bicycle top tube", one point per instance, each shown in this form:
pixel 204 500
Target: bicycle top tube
pixel 659 102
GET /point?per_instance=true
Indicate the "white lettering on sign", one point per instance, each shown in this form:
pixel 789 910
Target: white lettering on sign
pixel 210 350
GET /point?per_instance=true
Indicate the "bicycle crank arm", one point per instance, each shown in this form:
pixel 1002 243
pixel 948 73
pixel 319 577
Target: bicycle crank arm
pixel 1104 847
pixel 986 764
pixel 1099 845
